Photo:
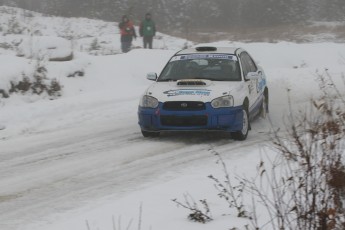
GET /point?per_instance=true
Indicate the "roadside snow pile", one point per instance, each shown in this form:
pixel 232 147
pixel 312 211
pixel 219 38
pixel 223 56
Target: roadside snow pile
pixel 47 79
pixel 46 47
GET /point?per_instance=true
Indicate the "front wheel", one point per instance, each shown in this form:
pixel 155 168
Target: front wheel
pixel 150 134
pixel 242 134
pixel 264 107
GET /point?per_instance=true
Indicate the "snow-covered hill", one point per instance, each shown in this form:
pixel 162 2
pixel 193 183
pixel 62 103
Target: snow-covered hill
pixel 82 32
pixel 79 162
pixel 192 16
pixel 32 39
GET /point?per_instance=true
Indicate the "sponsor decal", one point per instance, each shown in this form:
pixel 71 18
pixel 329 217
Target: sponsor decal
pixel 204 56
pixel 261 84
pixel 188 92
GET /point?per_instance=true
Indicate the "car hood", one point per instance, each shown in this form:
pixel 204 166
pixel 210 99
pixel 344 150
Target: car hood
pixel 193 90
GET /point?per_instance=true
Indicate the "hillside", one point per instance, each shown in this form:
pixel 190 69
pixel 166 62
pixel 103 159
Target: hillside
pixel 82 32
pixel 27 36
pixel 254 20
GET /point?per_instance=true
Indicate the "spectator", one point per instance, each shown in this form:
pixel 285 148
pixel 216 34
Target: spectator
pixel 147 30
pixel 127 34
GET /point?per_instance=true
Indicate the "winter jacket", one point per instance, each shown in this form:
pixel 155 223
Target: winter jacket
pixel 127 31
pixel 147 28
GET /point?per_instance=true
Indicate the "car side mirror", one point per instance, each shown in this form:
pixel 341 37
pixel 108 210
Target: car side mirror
pixel 252 76
pixel 152 76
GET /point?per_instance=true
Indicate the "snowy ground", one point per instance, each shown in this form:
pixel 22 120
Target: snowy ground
pixel 80 161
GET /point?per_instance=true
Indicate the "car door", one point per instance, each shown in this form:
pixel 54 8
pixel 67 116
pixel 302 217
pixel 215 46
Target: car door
pixel 248 65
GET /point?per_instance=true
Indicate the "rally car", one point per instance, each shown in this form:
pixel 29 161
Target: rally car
pixel 205 89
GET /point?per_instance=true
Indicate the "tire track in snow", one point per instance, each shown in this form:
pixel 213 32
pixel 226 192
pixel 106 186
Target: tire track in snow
pixel 66 173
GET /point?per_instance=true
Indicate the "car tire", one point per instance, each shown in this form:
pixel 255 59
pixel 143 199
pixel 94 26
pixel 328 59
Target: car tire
pixel 264 107
pixel 150 134
pixel 242 134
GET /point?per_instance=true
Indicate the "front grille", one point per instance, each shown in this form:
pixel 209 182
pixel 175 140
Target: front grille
pixel 184 106
pixel 180 121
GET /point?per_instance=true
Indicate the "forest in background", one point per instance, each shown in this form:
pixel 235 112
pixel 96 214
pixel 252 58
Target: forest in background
pixel 184 17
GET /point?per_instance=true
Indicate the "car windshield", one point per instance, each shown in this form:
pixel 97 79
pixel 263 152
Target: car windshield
pixel 215 67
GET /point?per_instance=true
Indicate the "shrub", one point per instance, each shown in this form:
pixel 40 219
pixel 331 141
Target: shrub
pixel 4 94
pixel 14 27
pixel 22 86
pixel 307 180
pixel 78 73
pixel 94 45
pixel 233 195
pixel 5 45
pixel 38 84
pixel 54 89
pixel 197 214
pixel 303 187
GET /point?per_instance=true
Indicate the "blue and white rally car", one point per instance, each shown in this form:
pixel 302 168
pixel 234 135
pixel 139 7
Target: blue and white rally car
pixel 205 88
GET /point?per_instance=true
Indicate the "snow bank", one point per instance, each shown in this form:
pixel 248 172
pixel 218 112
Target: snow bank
pixel 46 47
pixel 12 69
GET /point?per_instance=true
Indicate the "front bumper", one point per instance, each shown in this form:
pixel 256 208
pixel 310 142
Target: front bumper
pixel 223 119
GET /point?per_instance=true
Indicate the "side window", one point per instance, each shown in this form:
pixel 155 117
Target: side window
pixel 245 64
pixel 250 62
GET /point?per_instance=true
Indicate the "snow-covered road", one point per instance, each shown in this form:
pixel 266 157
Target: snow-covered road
pixel 54 171
pixel 58 156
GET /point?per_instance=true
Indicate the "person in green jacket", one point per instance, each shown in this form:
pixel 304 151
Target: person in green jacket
pixel 147 30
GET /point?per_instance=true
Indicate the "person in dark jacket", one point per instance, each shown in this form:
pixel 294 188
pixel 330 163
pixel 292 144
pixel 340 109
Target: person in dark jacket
pixel 147 30
pixel 127 32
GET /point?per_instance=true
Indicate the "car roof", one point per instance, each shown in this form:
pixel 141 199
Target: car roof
pixel 208 49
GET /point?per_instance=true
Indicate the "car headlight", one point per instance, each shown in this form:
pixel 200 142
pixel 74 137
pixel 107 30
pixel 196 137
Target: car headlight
pixel 221 102
pixel 148 102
